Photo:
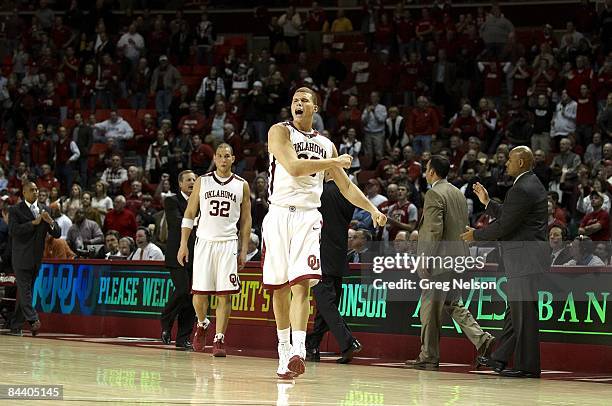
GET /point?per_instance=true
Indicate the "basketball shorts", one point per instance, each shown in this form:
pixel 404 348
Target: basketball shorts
pixel 215 267
pixel 291 246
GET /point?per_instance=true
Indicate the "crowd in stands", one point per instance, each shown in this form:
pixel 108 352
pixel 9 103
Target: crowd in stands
pixel 104 110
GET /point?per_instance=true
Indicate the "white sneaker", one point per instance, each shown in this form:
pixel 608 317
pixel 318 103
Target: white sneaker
pixel 296 363
pixel 284 351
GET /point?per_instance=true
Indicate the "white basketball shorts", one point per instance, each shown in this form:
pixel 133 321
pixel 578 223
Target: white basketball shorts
pixel 291 246
pixel 215 267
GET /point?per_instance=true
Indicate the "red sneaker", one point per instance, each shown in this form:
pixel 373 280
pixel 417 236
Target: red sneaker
pixel 199 339
pixel 296 365
pixel 218 349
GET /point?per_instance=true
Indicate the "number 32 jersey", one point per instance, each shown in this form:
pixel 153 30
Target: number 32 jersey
pixel 220 201
pixel 300 191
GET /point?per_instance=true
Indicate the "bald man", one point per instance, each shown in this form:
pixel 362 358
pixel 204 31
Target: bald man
pixel 520 226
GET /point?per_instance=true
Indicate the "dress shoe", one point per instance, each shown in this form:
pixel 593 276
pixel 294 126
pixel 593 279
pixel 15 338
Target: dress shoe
pixel 313 355
pixel 347 356
pixel 484 352
pixel 184 346
pixel 496 366
pixel 35 326
pixel 420 364
pixel 166 337
pixel 14 332
pixel 515 373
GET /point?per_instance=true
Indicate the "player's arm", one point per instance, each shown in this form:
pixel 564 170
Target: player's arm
pixel 245 224
pixel 279 144
pixel 353 194
pixel 193 205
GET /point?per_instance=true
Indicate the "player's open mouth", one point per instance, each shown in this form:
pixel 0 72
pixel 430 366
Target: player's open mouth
pixel 299 111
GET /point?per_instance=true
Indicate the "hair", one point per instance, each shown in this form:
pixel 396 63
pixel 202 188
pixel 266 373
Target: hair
pixel 564 233
pixel 130 242
pixel 440 165
pixel 225 145
pixel 114 233
pixel 104 188
pixel 146 231
pixel 366 234
pixel 182 174
pixel 311 92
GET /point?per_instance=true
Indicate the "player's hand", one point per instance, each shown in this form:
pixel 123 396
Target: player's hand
pixel 37 220
pixel 344 161
pixel 482 193
pixel 183 255
pixel 378 219
pixel 241 260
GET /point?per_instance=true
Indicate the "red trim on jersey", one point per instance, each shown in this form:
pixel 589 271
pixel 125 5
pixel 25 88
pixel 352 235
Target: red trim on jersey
pixel 272 170
pixel 275 287
pixel 304 277
pixel 214 292
pixel 311 135
pixel 222 183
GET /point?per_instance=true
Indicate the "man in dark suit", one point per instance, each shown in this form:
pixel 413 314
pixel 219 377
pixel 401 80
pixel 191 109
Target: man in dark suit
pixel 337 213
pixel 179 304
pixel 29 223
pixel 521 227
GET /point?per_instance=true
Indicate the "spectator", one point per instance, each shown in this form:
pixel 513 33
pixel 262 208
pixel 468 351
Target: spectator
pixel 564 118
pixel 84 232
pixel 541 168
pixel 111 245
pixel 464 123
pixel 146 251
pixel 233 139
pixel 145 214
pixel 165 80
pixel 594 151
pixel 100 201
pixel 66 156
pixel 586 112
pixel 395 130
pixel 329 66
pixel 495 30
pixel 212 85
pixel 139 80
pixel 90 213
pixel 132 43
pixel 41 149
pixel 604 119
pixel 350 145
pixel 358 246
pixel 584 202
pixel 126 247
pixel 82 134
pixel 62 220
pixel 46 179
pixel 114 175
pixel 253 253
pixel 566 159
pixel 373 119
pixel 201 156
pixel 582 250
pixel 115 127
pixel 134 198
pixel 19 149
pixel 560 252
pixel 602 251
pixel 596 224
pixel 120 218
pixel 341 23
pixel 194 120
pixel 73 202
pixel 291 24
pixel 403 215
pixel 542 113
pixel 422 125
pixel 443 79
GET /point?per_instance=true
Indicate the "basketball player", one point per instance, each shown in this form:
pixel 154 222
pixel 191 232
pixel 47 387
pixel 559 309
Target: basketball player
pixel 222 198
pixel 299 158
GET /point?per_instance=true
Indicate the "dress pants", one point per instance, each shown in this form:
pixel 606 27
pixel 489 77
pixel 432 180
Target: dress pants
pixel 24 311
pixel 180 305
pixel 520 335
pixel 433 302
pixel 327 293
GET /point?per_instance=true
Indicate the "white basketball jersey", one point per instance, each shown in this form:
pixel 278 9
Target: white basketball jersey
pixel 299 191
pixel 219 207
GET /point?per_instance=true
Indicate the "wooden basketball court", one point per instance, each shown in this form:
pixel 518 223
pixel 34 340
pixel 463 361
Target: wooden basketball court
pixel 94 371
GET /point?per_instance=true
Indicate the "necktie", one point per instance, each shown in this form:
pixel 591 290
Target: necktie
pixel 141 253
pixel 34 209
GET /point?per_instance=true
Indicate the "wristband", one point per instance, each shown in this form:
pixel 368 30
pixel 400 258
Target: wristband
pixel 187 223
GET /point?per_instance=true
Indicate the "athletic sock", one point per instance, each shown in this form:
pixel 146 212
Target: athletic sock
pixel 283 335
pixel 219 337
pixel 204 323
pixel 299 340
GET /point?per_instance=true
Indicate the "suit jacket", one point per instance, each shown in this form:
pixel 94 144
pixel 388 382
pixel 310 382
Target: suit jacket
pixel 27 239
pixel 521 224
pixel 445 215
pixel 174 207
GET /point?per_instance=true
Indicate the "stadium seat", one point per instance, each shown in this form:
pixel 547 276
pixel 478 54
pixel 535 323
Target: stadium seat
pixel 102 114
pixel 201 71
pixel 249 176
pixel 141 113
pixel 364 176
pixel 184 70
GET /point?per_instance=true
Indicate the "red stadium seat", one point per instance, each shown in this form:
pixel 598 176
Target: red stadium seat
pixel 141 113
pixel 249 176
pixel 250 162
pixel 364 176
pixel 201 71
pixel 102 114
pixel 185 70
pixel 193 82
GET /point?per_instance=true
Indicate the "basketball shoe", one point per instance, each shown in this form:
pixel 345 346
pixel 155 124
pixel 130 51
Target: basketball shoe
pixel 283 372
pixel 219 347
pixel 296 361
pixel 199 339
